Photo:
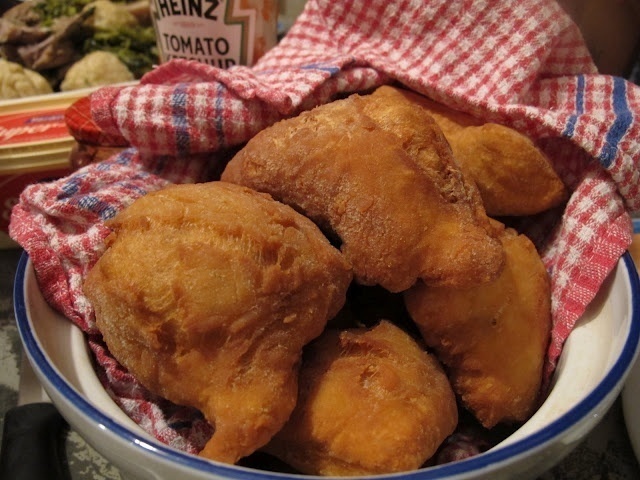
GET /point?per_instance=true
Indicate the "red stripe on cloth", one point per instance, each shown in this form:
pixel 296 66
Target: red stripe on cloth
pixel 595 231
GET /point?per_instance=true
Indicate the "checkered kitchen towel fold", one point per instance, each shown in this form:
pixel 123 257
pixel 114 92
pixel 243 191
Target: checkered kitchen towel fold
pixel 523 64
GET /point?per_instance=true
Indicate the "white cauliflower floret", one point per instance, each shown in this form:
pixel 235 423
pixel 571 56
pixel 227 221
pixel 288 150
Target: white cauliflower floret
pixel 110 16
pixel 96 69
pixel 17 81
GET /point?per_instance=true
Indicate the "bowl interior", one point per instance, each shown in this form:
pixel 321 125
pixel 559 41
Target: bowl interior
pixel 590 374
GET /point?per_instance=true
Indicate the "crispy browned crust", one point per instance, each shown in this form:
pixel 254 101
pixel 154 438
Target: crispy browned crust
pixel 514 177
pixel 383 180
pixel 493 337
pixel 207 294
pixel 370 402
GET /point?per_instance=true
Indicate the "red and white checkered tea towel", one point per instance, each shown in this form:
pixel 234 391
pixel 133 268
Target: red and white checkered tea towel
pixel 523 64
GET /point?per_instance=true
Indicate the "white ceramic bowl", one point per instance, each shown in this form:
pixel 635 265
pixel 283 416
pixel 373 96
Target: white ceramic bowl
pixel 631 391
pixel 590 375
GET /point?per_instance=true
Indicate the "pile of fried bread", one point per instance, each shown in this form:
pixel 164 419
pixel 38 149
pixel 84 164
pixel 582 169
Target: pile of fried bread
pixel 345 289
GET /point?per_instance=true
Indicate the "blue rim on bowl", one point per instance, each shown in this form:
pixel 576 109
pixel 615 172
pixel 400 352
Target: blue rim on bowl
pixel 507 453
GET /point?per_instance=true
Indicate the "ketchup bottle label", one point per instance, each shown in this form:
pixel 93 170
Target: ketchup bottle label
pixel 221 33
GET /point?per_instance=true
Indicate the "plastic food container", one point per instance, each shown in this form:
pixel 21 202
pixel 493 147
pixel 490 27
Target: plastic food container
pixel 34 146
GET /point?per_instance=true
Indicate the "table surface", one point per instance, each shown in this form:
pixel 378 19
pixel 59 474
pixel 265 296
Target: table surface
pixel 605 454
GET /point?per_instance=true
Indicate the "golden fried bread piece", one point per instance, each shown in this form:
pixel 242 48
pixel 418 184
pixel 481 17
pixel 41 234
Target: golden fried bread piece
pixel 371 401
pixel 493 337
pixel 427 149
pixel 207 294
pixel 514 177
pixel 398 217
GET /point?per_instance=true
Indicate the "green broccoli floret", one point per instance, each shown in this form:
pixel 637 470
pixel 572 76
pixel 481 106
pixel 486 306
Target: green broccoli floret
pixel 49 10
pixel 135 47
